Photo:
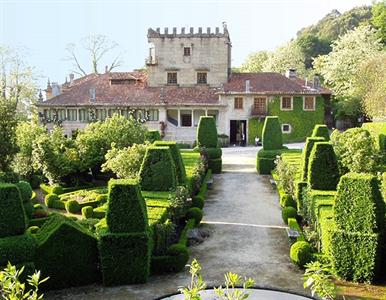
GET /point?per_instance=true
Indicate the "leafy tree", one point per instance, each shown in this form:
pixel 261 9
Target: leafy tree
pixel 255 62
pixel 96 47
pixel 379 18
pixel 126 162
pixel 312 46
pixel 55 155
pixel 8 123
pixel 26 134
pixel 371 86
pixel 290 55
pixel 96 139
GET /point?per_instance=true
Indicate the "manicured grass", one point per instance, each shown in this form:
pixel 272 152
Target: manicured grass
pixel 155 195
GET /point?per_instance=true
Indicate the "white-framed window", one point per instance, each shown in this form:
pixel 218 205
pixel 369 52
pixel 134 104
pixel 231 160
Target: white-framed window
pixel 61 114
pixel 286 128
pixel 72 114
pixel 153 114
pixel 83 115
pixel 309 103
pixel 101 114
pixel 286 103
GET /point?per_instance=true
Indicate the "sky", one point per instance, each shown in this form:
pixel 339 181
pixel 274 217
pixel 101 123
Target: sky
pixel 42 29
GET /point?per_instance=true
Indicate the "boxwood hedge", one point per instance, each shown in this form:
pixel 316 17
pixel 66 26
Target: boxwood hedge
pixel 323 172
pixel 13 220
pixel 25 190
pixel 272 135
pixel 158 171
pixel 17 249
pixel 215 165
pixel 321 131
pixel 207 132
pixel 310 141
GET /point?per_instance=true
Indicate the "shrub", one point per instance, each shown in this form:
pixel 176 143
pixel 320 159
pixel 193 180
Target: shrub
pixel 158 172
pixel 310 141
pixel 17 249
pixel 49 200
pixel 321 131
pixel 178 203
pixel 358 204
pixel 194 213
pixel 265 161
pixel 152 136
pixel 125 258
pixel 207 132
pixel 102 198
pixel 176 155
pixel 87 212
pixel 13 220
pixel 301 253
pixel 72 206
pixel 198 201
pixel 57 189
pixel 28 208
pixel 287 200
pixel 361 156
pixel 175 260
pixel 272 135
pixel 32 230
pixel 25 190
pixel 213 153
pixel 126 210
pixel 288 212
pixel 67 253
pixel 215 165
pixel 286 173
pixel 300 186
pixel 163 233
pixel 323 173
pixel 355 255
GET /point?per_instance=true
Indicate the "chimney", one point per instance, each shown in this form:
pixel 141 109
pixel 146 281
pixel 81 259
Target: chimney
pixel 316 82
pixel 217 30
pixel 183 30
pixel 106 69
pixel 72 76
pixel 158 30
pixel 166 30
pixel 291 73
pixel 174 30
pixel 247 86
pixel 92 94
pixel 200 30
pixel 48 90
pixel 191 30
pixel 208 30
pixel 55 89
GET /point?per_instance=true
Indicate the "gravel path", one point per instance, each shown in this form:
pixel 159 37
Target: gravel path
pixel 247 236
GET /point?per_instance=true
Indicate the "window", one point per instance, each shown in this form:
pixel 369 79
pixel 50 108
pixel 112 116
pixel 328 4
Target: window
pixel 201 77
pixel 112 112
pixel 197 114
pixel 139 114
pixel 286 103
pixel 83 115
pixel 152 114
pixel 214 114
pixel 238 103
pixel 124 113
pixel 100 114
pixel 186 118
pixel 259 106
pixel 186 51
pixel 72 114
pixel 172 77
pixel 61 114
pixel 309 103
pixel 286 128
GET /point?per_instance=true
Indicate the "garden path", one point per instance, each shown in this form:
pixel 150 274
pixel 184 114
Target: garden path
pixel 247 236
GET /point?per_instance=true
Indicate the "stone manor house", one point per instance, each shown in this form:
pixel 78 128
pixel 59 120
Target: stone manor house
pixel 188 74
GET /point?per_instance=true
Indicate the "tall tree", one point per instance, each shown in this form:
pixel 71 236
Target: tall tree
pixel 96 47
pixel 255 62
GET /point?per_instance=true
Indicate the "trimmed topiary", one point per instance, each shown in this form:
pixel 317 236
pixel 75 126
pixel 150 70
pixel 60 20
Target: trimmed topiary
pixel 125 258
pixel 198 201
pixel 152 136
pixel 213 153
pixel 72 206
pixel 215 165
pixel 87 212
pixel 13 220
pixel 174 261
pixel 49 200
pixel 194 213
pixel 306 155
pixel 176 155
pixel 207 132
pixel 321 131
pixel 272 135
pixel 17 249
pixel 28 208
pixel 158 171
pixel 301 253
pixel 102 198
pixel 126 210
pixel 287 200
pixel 25 190
pixel 67 253
pixel 288 212
pixel 57 189
pixel 181 253
pixel 323 172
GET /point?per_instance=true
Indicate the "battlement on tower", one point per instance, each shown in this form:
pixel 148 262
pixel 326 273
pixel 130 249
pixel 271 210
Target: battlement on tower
pixel 185 33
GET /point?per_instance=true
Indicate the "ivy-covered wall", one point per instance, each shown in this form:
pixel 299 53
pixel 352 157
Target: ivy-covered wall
pixel 302 122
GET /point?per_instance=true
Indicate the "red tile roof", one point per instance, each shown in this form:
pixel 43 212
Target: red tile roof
pixel 136 93
pixel 269 83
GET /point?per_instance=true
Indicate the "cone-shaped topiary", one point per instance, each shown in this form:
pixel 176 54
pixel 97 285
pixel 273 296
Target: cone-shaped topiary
pixel 126 211
pixel 207 132
pixel 158 171
pixel 321 131
pixel 176 155
pixel 323 172
pixel 306 155
pixel 272 135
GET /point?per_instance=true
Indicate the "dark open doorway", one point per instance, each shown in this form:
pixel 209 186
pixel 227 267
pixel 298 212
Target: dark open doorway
pixel 238 132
